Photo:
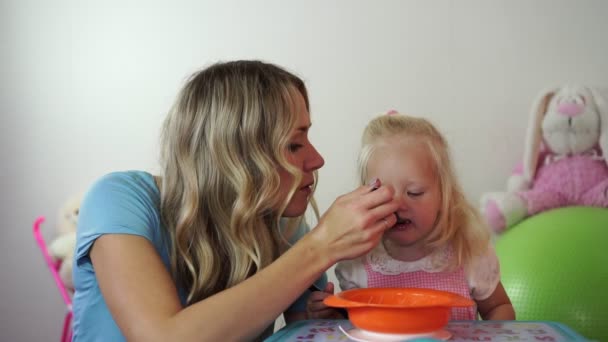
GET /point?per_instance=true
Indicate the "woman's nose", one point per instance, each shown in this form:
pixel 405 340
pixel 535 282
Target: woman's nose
pixel 315 160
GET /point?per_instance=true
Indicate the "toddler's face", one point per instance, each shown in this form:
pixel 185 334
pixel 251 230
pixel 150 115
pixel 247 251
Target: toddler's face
pixel 406 164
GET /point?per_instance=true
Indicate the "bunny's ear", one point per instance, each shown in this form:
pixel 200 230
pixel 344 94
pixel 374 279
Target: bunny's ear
pixel 533 135
pixel 602 109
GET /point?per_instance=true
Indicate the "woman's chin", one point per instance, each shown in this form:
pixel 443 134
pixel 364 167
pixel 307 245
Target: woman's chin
pixel 296 208
pixel 298 204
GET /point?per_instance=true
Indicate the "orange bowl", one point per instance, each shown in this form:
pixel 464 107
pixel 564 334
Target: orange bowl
pixel 398 310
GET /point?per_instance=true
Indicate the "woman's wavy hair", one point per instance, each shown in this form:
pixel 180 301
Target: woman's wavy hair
pixel 222 143
pixel 459 225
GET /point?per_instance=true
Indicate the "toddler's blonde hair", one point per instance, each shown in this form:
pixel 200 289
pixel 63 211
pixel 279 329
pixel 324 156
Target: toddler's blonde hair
pixel 459 225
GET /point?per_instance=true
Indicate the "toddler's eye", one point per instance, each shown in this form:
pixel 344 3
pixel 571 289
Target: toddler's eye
pixel 415 194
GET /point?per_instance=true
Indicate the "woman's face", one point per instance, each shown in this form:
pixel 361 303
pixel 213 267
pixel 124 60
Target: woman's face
pixel 302 155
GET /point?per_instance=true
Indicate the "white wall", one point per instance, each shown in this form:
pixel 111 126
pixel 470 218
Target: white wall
pixel 84 86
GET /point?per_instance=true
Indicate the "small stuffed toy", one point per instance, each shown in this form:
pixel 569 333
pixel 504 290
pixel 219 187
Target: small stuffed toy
pixel 62 247
pixel 564 158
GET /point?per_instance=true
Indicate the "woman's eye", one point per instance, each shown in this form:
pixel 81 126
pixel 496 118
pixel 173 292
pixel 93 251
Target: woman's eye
pixel 294 147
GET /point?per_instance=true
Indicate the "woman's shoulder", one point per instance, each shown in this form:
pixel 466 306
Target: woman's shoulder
pixel 123 194
pixel 133 178
pixel 126 202
pixel 125 183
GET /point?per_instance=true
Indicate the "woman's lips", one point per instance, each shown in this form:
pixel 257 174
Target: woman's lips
pixel 307 188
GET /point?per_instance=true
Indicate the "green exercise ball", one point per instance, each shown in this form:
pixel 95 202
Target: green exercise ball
pixel 554 267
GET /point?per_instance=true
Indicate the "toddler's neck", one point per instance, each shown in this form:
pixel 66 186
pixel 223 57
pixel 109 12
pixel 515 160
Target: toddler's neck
pixel 403 253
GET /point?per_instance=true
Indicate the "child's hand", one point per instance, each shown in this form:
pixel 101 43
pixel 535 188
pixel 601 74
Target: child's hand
pixel 316 309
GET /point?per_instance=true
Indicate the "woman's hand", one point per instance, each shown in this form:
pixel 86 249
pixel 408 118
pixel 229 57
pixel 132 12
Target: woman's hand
pixel 354 223
pixel 316 309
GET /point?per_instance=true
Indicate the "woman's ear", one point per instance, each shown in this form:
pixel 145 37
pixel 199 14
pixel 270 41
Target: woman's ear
pixel 534 134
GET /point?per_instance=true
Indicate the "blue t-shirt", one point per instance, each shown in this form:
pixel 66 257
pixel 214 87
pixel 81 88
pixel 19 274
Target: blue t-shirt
pixel 123 203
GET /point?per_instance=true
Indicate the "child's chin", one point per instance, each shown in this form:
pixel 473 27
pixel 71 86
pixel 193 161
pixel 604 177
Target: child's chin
pixel 400 236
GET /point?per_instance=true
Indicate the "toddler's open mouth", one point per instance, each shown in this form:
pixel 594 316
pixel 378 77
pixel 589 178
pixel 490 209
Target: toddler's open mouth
pixel 402 223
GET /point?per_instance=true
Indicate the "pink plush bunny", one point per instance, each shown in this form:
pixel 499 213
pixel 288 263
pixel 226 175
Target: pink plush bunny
pixel 564 159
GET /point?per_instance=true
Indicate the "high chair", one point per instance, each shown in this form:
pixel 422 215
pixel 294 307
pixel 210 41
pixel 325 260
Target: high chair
pixel 66 335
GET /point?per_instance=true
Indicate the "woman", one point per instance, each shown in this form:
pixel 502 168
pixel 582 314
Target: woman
pixel 198 253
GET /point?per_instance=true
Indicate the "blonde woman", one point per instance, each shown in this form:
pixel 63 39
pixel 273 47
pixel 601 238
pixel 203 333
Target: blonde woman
pixel 438 240
pixel 215 248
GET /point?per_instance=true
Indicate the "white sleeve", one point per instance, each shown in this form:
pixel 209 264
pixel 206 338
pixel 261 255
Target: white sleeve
pixel 351 274
pixel 484 274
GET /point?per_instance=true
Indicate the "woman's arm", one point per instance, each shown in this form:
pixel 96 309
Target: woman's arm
pixel 143 300
pixel 497 307
pixel 144 303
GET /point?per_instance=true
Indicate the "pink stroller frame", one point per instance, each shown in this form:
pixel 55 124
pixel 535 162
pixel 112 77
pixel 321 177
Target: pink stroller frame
pixel 66 335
